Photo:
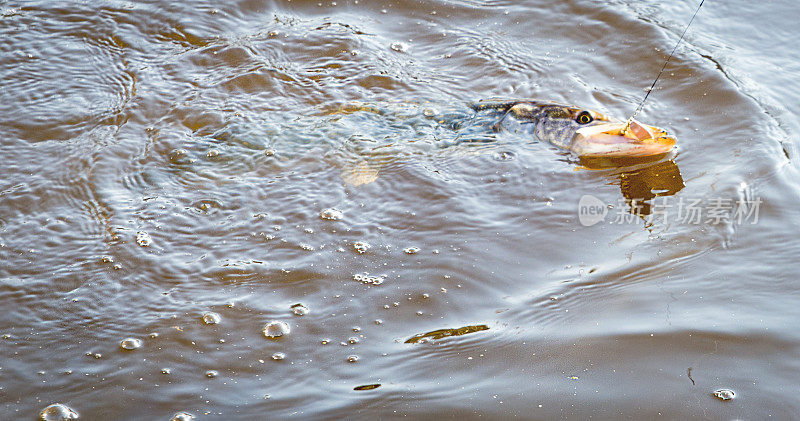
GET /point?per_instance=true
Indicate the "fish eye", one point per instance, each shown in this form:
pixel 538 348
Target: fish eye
pixel 584 118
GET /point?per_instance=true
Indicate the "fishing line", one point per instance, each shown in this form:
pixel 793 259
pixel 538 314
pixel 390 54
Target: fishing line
pixel 641 104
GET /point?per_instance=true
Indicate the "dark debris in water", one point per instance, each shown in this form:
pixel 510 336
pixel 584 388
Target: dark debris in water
pixel 443 333
pixel 367 386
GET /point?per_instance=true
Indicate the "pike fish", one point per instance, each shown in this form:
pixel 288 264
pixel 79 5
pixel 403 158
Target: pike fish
pixel 586 133
pixel 599 141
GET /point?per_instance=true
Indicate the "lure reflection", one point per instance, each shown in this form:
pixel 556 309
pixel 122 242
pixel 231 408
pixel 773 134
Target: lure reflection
pixel 640 182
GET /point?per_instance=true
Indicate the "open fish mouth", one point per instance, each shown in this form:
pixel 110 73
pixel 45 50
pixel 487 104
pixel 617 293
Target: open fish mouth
pixel 607 140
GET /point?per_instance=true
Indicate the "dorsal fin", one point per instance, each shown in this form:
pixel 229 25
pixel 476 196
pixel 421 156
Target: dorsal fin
pixel 504 104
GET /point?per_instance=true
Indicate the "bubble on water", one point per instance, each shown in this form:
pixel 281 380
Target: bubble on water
pixel 352 358
pixel 143 239
pixel 182 416
pixel 130 344
pixel 366 278
pixel 356 328
pixel 166 370
pixel 504 156
pixel 299 309
pixel 307 247
pixel 154 335
pixel 331 214
pixel 97 355
pixel 9 12
pixel 208 205
pixel 212 373
pixel 107 259
pixel 269 152
pixel 378 321
pixel 326 341
pixel 58 412
pixel 411 250
pixel 361 246
pixel 430 112
pixel 278 356
pixel 212 153
pixel 400 47
pixel 179 156
pixel 352 340
pixel 724 394
pixel 275 329
pixel 211 318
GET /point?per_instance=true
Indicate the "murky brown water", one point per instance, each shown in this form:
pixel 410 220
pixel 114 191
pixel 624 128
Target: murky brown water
pixel 164 161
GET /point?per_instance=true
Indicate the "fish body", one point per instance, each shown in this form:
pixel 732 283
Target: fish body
pixel 599 141
pixel 587 133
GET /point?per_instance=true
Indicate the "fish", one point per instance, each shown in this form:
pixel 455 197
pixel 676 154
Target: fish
pixel 597 140
pixel 586 133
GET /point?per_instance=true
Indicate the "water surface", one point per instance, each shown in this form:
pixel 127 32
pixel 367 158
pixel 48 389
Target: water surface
pixel 163 160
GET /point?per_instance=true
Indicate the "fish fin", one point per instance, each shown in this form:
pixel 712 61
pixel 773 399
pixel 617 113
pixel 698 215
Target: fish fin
pixel 491 104
pixel 351 107
pixel 359 173
pixel 503 104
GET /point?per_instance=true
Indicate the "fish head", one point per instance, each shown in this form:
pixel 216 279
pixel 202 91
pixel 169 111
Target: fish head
pixel 621 140
pixel 591 134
